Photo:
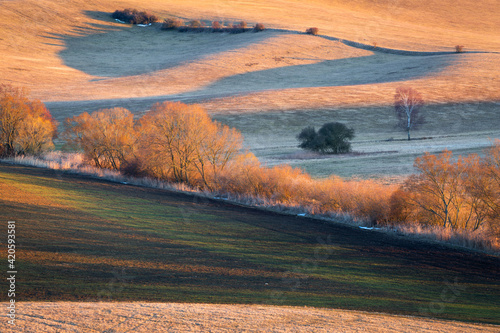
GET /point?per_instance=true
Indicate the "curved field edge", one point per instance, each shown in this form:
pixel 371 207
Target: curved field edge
pixel 157 317
pixel 91 240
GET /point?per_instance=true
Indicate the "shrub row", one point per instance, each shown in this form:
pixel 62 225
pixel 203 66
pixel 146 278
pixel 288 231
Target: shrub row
pixel 133 16
pixel 180 143
pixel 198 26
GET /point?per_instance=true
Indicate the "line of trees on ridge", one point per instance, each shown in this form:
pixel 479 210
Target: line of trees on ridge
pixel 215 26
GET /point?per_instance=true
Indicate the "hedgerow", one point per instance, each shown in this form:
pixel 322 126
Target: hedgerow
pixel 215 26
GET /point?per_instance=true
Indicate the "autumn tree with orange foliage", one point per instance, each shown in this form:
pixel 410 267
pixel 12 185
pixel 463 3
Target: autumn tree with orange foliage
pixel 483 184
pixel 181 143
pixel 107 137
pixel 462 194
pixel 438 189
pixel 26 126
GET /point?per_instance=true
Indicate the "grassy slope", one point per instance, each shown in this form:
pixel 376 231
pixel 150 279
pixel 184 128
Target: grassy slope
pixel 83 239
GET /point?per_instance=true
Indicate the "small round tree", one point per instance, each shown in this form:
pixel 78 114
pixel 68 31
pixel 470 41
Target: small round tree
pixel 332 138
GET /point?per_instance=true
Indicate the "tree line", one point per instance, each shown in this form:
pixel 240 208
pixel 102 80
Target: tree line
pixel 180 143
pixel 173 142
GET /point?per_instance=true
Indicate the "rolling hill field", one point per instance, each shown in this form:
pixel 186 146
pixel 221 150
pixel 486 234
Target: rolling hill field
pixel 85 240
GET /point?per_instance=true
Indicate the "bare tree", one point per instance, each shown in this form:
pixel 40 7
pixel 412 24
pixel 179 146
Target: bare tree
pixel 408 104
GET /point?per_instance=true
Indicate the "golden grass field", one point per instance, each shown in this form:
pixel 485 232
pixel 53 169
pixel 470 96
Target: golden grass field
pixel 73 50
pixel 178 317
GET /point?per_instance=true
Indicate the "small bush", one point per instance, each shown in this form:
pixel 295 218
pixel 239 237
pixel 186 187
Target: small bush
pixel 312 31
pixel 195 24
pixel 459 48
pixel 133 16
pixel 133 168
pixel 238 28
pixel 258 27
pixel 217 26
pixel 171 24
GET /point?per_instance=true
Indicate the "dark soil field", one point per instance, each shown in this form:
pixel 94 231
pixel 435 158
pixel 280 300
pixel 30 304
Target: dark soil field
pixel 83 239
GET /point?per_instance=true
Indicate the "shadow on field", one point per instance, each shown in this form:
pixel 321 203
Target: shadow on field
pixel 118 50
pixel 376 68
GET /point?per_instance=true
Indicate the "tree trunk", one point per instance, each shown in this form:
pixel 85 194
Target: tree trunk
pixel 409 135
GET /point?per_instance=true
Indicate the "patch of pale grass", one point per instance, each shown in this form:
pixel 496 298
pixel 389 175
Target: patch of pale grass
pixel 175 317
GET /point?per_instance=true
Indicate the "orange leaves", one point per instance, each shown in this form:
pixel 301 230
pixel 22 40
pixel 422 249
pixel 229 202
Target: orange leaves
pixel 361 199
pixel 457 194
pixel 107 137
pixel 174 142
pixel 26 127
pixel 181 143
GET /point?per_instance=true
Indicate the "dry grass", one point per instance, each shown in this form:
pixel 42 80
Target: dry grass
pixel 49 44
pixel 177 317
pixel 473 240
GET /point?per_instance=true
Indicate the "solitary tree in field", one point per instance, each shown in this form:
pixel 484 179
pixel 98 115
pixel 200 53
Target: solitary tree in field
pixel 408 104
pixel 332 138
